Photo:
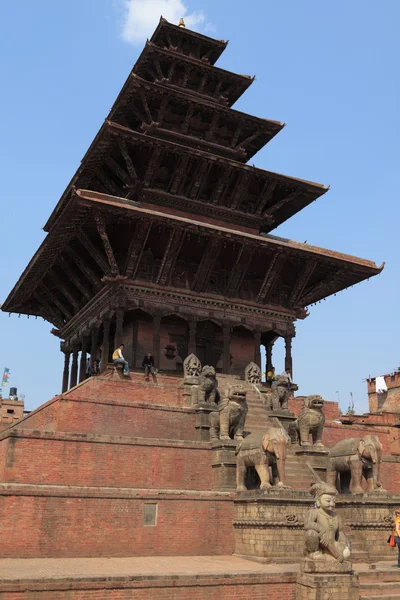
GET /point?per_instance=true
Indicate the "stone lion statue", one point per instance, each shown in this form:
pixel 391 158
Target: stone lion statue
pixel 311 420
pixel 207 388
pixel 280 393
pixel 228 422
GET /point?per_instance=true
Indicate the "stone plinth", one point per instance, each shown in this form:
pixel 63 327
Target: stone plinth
pixel 327 585
pixel 224 465
pixel 284 416
pixel 202 422
pixel 315 457
pixel 269 525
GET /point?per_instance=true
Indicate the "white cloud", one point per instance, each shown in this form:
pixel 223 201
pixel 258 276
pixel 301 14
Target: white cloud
pixel 141 17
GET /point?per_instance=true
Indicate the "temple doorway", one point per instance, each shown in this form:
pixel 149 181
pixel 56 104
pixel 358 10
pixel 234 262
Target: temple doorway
pixel 209 344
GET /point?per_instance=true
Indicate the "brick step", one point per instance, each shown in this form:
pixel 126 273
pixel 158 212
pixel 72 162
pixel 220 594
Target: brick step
pixel 377 588
pixel 382 596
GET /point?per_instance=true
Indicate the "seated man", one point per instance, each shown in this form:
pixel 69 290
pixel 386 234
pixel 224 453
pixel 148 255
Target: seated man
pixel 118 359
pixel 148 365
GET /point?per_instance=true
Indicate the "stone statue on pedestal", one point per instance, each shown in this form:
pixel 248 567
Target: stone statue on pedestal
pixel 311 421
pixel 281 389
pixel 228 422
pixel 206 388
pixel 324 537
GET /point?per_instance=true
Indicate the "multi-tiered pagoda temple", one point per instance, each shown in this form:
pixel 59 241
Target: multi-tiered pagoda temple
pixel 162 238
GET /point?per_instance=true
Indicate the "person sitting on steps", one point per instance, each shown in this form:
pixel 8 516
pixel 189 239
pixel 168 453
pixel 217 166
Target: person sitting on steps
pixel 148 365
pixel 118 359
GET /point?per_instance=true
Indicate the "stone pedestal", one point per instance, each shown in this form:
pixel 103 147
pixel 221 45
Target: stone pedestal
pixel 224 465
pixel 316 457
pixel 188 384
pixel 328 580
pixel 202 422
pixel 269 524
pixel 284 416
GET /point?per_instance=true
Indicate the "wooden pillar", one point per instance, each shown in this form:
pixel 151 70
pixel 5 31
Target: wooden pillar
pixel 226 352
pixel 106 344
pixel 82 366
pixel 288 354
pixel 257 347
pixel 135 330
pixel 67 355
pixel 74 366
pixel 93 345
pixel 156 340
pixel 192 337
pixel 268 357
pixel 119 314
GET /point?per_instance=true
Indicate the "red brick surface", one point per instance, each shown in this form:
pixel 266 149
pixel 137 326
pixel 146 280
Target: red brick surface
pixel 62 522
pixel 68 459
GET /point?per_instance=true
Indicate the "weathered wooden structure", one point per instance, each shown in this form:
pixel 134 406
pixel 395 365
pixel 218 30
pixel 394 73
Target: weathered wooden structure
pixel 162 237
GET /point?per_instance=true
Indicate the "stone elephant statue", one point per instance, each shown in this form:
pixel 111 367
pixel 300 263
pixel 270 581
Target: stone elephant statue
pixel 228 422
pixel 263 450
pixel 358 457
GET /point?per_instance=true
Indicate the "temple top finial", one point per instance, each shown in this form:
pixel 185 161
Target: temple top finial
pixel 182 23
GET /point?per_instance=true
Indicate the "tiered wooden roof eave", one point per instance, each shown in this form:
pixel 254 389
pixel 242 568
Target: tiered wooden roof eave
pixel 242 82
pixel 216 46
pixel 348 270
pixel 99 148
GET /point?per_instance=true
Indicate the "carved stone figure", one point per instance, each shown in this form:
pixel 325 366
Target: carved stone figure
pixel 263 450
pixel 191 366
pixel 280 393
pixel 252 374
pixel 228 422
pixel 206 390
pixel 324 537
pixel 357 459
pixel 311 420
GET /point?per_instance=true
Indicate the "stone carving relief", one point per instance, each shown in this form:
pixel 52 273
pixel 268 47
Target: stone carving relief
pixel 252 374
pixel 191 366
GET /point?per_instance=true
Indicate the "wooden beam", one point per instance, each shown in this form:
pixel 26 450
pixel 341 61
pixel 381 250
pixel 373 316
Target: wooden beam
pixel 266 195
pixel 271 274
pixel 203 82
pixel 236 135
pixel 110 186
pixel 72 276
pixel 136 247
pixel 207 263
pixel 59 303
pixel 101 228
pixel 123 176
pixel 180 170
pixel 289 198
pixel 55 318
pixel 198 179
pixel 186 120
pixel 127 159
pixel 151 167
pixel 222 185
pixel 145 104
pixel 240 190
pixel 170 255
pixel 64 289
pixel 325 287
pixel 87 271
pixel 92 250
pixel 238 272
pixel 162 109
pixel 302 280
pixel 210 133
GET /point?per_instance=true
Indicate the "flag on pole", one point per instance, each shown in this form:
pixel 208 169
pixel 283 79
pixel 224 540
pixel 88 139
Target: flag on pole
pixel 6 375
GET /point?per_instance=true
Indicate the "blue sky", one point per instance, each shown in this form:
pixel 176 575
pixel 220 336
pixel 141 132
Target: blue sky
pixel 329 70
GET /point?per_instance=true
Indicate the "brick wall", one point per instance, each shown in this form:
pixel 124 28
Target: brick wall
pixel 238 586
pixel 95 460
pixel 389 401
pixel 59 521
pixel 242 350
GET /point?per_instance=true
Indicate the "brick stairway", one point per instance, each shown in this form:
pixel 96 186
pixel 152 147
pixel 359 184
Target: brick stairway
pixel 383 583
